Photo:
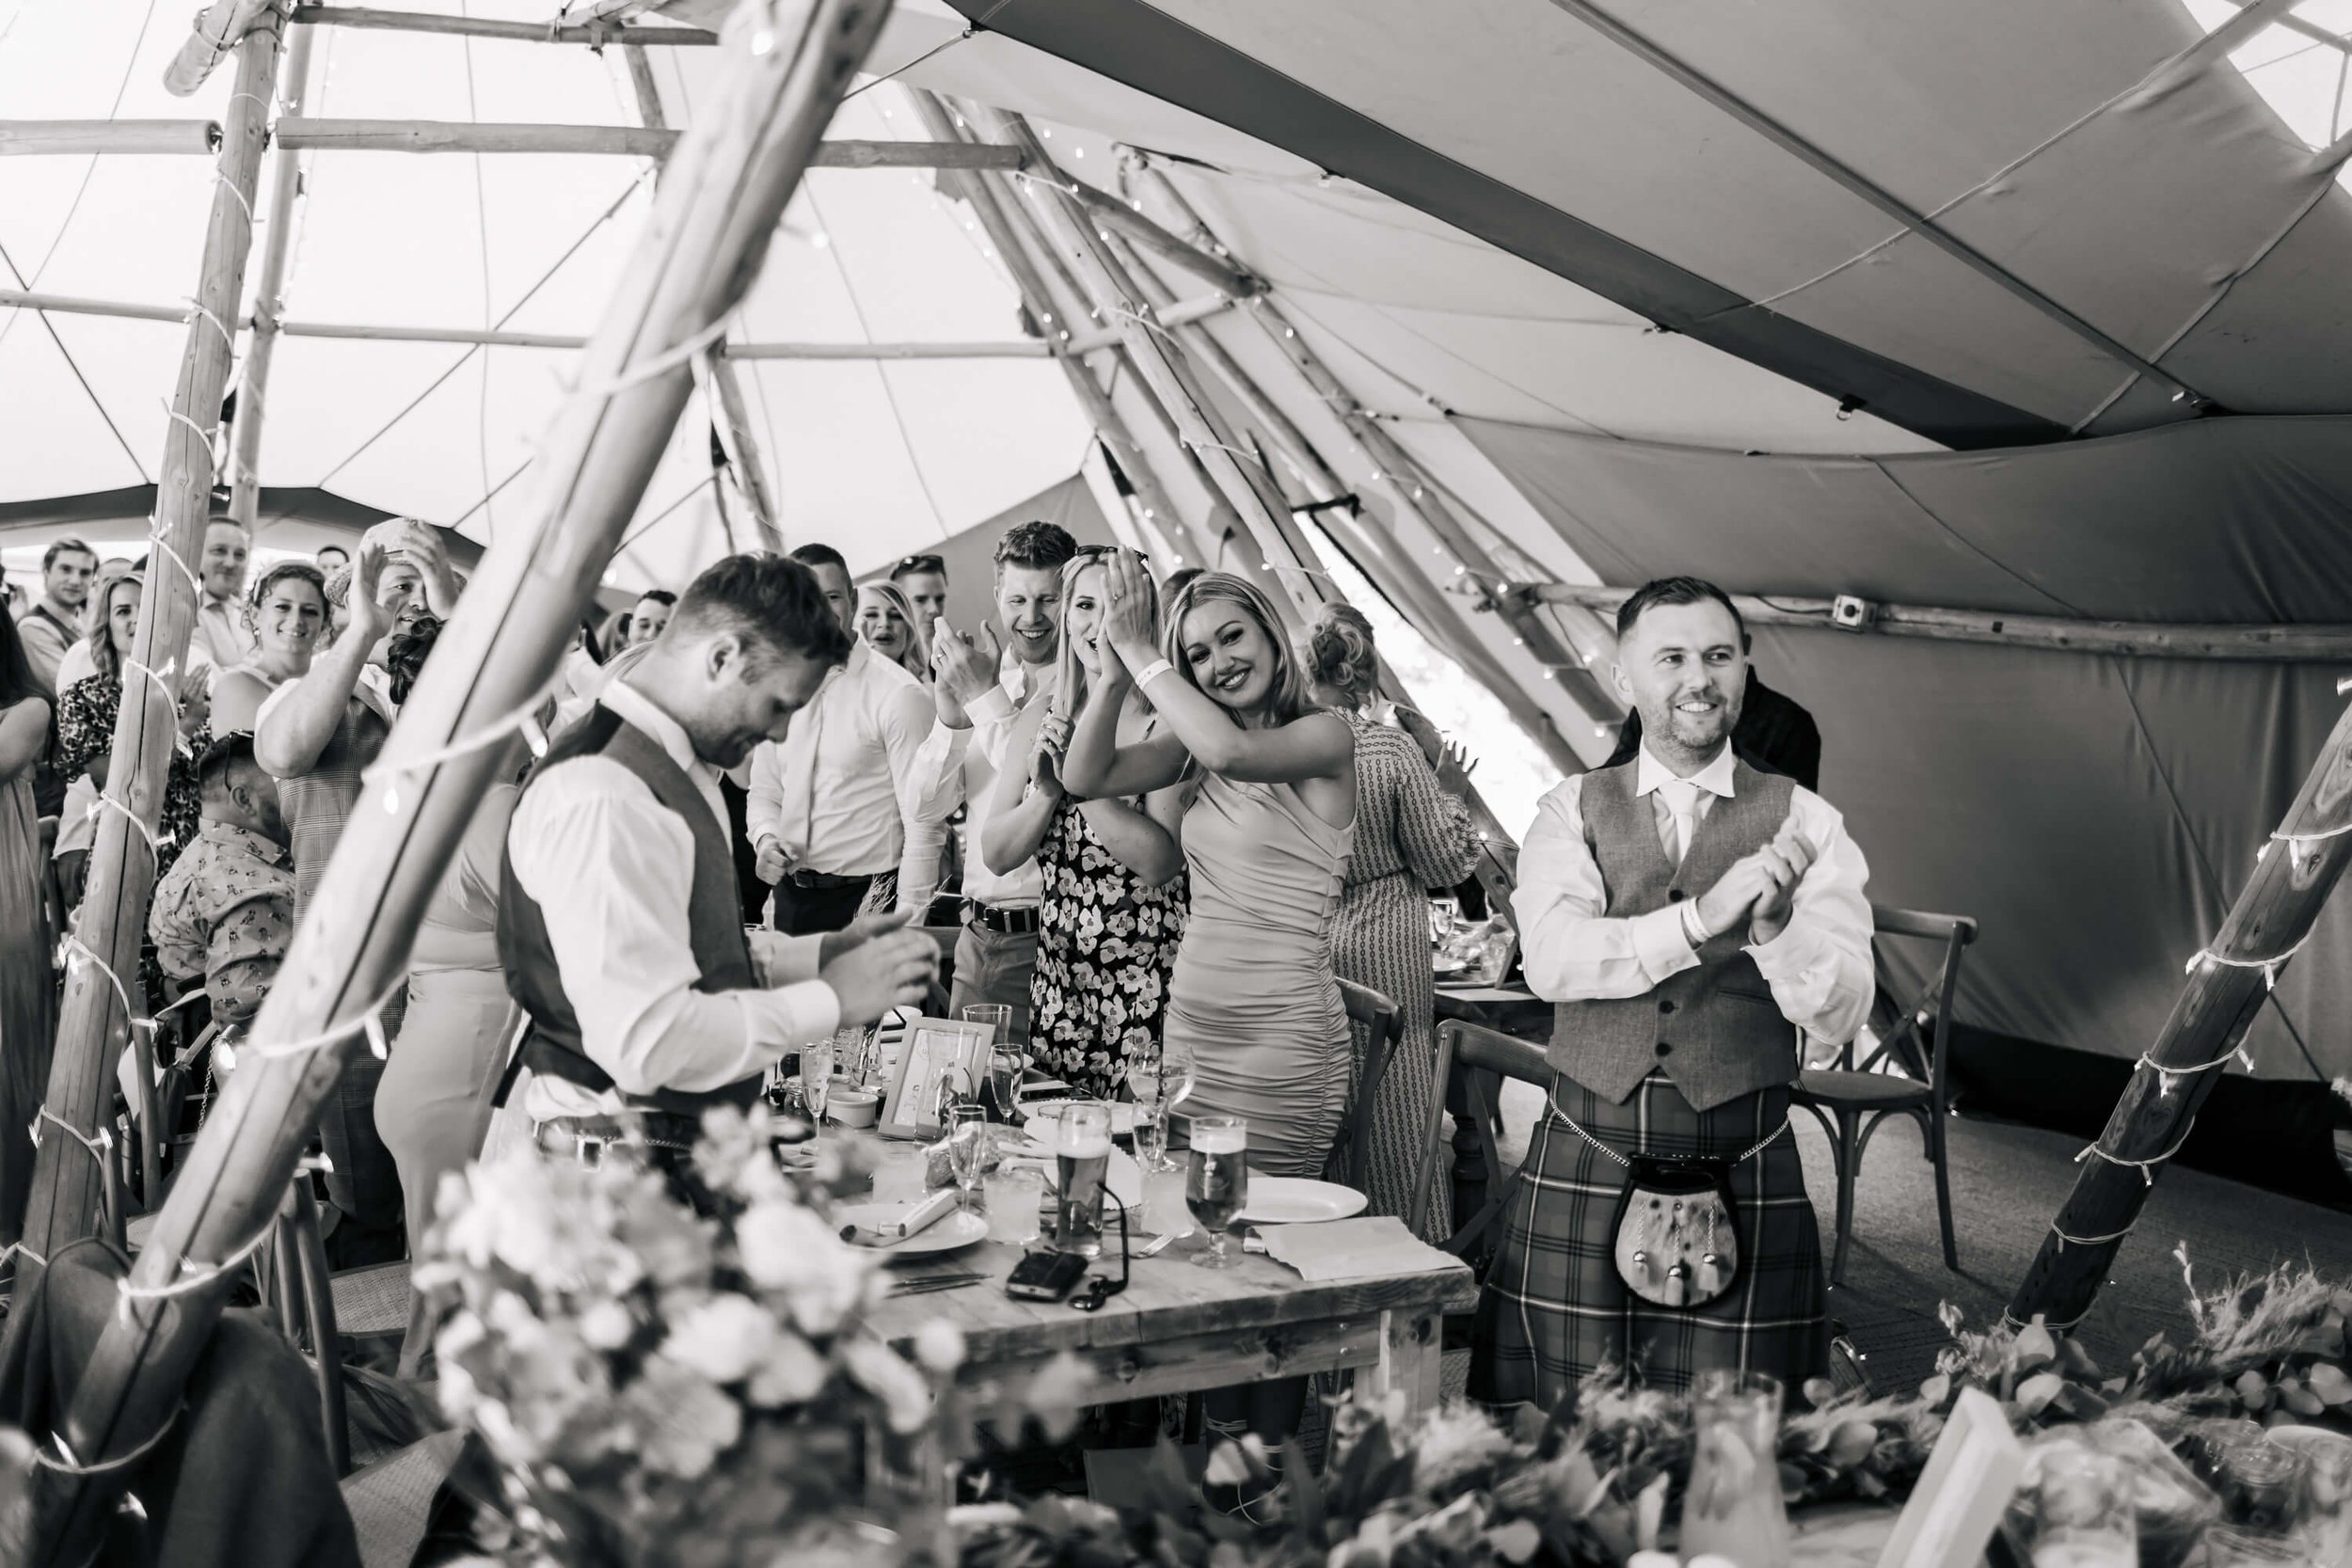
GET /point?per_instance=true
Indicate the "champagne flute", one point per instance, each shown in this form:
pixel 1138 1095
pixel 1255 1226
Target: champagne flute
pixel 967 1149
pixel 1005 1059
pixel 1143 1083
pixel 1218 1184
pixel 816 1079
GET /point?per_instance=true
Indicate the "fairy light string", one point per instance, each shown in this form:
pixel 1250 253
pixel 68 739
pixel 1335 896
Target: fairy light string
pixel 65 1464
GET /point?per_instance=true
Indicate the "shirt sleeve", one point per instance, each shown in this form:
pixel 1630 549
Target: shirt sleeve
pixel 1820 968
pixel 612 874
pixel 784 959
pixel 763 806
pixel 1573 952
pixel 179 944
pixel 906 722
pixel 940 764
pixel 1433 826
pixel 247 943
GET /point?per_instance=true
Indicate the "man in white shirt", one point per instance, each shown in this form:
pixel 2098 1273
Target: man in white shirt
pixel 1690 916
pixel 978 694
pixel 839 805
pixel 923 578
pixel 221 637
pixel 53 623
pixel 618 924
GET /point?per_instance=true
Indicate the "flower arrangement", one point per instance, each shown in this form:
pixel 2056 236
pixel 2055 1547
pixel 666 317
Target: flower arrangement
pixel 663 1390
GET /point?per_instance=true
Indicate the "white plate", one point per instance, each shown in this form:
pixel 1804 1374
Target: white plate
pixel 1122 1111
pixel 957 1229
pixel 1296 1200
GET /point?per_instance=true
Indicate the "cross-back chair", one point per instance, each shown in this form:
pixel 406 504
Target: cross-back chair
pixel 1851 1099
pixel 1384 1031
pixel 1489 1057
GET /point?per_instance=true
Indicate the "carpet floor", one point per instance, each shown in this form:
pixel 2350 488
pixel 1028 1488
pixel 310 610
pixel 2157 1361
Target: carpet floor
pixel 2008 1184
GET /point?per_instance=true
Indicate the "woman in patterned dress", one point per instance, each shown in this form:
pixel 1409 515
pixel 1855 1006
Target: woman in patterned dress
pixel 28 991
pixel 1412 833
pixel 1112 906
pixel 86 711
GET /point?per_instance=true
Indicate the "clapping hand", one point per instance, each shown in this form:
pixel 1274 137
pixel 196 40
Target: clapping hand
pixel 370 620
pixel 966 666
pixel 1127 610
pixel 1454 766
pixel 1052 738
pixel 1784 861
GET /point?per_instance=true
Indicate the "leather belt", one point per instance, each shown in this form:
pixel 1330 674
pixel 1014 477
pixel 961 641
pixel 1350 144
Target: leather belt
pixel 813 881
pixel 586 1138
pixel 1008 920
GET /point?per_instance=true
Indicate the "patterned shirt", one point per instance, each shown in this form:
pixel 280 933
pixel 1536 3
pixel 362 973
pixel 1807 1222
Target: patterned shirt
pixel 224 910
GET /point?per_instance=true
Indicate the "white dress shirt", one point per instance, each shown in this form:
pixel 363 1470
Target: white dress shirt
pixel 1819 968
pixel 78 665
pixel 612 870
pixel 845 792
pixel 961 766
pixel 218 639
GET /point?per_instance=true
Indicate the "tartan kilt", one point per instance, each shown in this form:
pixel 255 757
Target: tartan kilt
pixel 1553 1308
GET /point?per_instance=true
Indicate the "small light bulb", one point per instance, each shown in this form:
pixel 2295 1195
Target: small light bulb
pixel 763 42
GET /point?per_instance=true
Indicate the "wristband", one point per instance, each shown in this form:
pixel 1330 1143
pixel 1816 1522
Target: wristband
pixel 1157 667
pixel 1693 926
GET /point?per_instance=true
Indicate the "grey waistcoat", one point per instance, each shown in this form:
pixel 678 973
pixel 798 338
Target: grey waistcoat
pixel 1713 1028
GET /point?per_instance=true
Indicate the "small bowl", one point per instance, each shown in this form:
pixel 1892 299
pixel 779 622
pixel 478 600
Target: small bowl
pixel 853 1107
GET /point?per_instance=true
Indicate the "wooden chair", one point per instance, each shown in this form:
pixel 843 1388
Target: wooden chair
pixel 1851 1100
pixel 1489 1057
pixel 1384 1028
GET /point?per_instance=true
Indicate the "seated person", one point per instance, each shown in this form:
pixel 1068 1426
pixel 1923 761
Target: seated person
pixel 1690 915
pixel 225 910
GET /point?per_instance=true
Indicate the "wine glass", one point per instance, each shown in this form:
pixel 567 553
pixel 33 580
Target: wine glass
pixel 968 1148
pixel 1144 1084
pixel 1005 1058
pixel 1218 1184
pixel 816 1078
pixel 1177 1073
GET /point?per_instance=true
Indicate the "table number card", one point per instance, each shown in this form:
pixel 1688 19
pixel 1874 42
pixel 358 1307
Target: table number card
pixel 1969 1479
pixel 937 1053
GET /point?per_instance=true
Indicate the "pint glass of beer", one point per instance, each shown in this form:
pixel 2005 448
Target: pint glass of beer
pixel 1082 1157
pixel 1217 1184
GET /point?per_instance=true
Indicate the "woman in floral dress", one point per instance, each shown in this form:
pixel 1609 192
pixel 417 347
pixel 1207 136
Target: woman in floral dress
pixel 86 711
pixel 1112 905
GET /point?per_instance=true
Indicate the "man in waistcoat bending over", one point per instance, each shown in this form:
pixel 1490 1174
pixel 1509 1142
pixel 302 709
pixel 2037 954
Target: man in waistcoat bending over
pixel 1689 915
pixel 620 926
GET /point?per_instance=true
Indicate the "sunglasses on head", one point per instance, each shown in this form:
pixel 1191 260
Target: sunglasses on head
pixel 922 563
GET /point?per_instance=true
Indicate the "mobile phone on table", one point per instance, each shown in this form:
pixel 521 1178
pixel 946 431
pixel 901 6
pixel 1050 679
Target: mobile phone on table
pixel 1046 1276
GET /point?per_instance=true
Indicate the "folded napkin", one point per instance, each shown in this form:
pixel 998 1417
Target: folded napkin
pixel 1369 1246
pixel 920 1217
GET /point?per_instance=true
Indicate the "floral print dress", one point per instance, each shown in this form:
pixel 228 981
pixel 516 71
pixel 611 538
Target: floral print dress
pixel 1105 945
pixel 86 711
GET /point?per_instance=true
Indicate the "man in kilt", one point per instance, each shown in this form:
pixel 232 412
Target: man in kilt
pixel 1689 916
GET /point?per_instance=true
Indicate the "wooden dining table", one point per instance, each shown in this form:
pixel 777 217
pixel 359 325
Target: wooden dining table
pixel 1179 1329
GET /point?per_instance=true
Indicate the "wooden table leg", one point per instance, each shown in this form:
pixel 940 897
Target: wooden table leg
pixel 1412 1359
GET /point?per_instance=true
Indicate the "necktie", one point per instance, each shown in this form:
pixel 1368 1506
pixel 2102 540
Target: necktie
pixel 1682 804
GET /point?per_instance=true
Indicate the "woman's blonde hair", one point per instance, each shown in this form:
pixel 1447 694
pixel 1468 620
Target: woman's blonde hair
pixel 916 662
pixel 100 633
pixel 1289 698
pixel 1341 655
pixel 1073 676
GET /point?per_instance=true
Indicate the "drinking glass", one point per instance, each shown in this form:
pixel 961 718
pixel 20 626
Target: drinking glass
pixel 1143 1084
pixel 1082 1158
pixel 1733 1506
pixel 816 1078
pixel 967 1149
pixel 1177 1074
pixel 2084 1515
pixel 1217 1183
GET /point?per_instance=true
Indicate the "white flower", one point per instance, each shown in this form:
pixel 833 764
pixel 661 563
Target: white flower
pixel 788 1248
pixel 606 1325
pixel 792 1373
pixel 684 1422
pixel 906 1398
pixel 723 1337
pixel 939 1347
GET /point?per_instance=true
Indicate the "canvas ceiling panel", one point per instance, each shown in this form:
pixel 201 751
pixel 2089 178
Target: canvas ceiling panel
pixel 2014 786
pixel 2276 341
pixel 1502 87
pixel 37 393
pixel 1756 524
pixel 2239 520
pixel 2193 187
pixel 1470 476
pixel 80 249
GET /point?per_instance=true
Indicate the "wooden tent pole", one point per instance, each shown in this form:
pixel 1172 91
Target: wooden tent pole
pixel 1158 513
pixel 1413 494
pixel 714 377
pixel 449 135
pixel 1217 271
pixel 38 138
pixel 1239 479
pixel 102 978
pixel 269 288
pixel 2227 983
pixel 2252 644
pixel 716 210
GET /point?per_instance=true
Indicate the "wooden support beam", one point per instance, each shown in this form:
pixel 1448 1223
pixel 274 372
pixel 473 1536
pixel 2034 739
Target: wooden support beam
pixel 2251 644
pixel 1409 490
pixel 37 137
pixel 269 286
pixel 1000 215
pixel 216 31
pixel 71 305
pixel 1220 272
pixel 595 35
pixel 2227 984
pixel 635 141
pixel 719 202
pixel 103 979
